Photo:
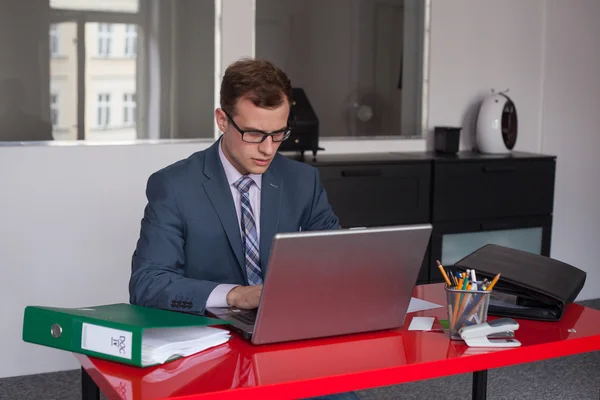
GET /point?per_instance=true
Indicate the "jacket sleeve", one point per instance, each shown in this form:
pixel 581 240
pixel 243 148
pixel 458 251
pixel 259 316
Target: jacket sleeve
pixel 157 270
pixel 322 216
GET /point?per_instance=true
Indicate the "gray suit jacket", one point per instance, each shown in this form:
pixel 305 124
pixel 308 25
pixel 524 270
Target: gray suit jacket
pixel 190 240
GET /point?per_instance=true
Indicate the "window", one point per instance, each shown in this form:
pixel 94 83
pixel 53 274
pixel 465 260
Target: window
pixel 53 40
pixel 103 110
pixel 129 109
pixel 54 109
pixel 130 40
pixel 104 39
pixel 361 66
pixel 107 81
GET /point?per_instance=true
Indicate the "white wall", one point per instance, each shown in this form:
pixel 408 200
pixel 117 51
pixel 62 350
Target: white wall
pixel 570 124
pixel 70 215
pixel 549 59
pixel 473 49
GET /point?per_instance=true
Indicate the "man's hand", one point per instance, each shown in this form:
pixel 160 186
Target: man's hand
pixel 244 297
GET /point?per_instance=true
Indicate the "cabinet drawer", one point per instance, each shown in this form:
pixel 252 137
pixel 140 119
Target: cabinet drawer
pixel 376 195
pixel 503 188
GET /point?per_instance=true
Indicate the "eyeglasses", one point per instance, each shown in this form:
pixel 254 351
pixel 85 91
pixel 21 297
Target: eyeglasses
pixel 259 136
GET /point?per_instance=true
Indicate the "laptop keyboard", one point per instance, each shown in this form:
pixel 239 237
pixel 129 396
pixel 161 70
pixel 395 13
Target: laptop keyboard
pixel 246 316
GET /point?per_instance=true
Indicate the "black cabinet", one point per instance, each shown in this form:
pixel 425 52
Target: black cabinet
pixel 378 194
pixel 470 199
pixel 376 190
pixel 492 189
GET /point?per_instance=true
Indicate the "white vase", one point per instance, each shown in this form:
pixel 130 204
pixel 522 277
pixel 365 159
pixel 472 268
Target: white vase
pixel 496 130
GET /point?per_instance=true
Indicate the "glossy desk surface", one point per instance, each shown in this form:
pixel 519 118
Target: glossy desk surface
pixel 309 368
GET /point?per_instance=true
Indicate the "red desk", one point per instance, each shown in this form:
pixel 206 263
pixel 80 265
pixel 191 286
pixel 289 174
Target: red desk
pixel 310 368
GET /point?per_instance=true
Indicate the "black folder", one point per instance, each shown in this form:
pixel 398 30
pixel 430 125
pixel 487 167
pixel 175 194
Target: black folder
pixel 531 286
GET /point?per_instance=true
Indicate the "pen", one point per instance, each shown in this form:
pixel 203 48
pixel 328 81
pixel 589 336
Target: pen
pixel 457 299
pixel 449 275
pixel 452 277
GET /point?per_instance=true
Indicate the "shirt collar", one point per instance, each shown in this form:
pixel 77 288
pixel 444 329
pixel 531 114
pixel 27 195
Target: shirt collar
pixel 232 174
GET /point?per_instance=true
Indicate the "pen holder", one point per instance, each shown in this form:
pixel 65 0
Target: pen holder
pixel 466 307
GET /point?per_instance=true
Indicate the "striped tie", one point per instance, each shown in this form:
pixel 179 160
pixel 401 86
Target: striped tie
pixel 249 236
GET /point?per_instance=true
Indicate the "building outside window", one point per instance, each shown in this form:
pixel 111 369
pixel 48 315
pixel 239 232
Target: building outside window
pixel 54 111
pixel 54 40
pixel 103 108
pixel 104 39
pixel 129 109
pixel 130 40
pixel 96 65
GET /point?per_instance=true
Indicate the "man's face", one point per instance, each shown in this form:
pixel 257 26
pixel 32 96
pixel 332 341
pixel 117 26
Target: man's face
pixel 251 158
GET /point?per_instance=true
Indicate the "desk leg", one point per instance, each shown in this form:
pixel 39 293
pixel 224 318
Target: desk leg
pixel 480 385
pixel 89 389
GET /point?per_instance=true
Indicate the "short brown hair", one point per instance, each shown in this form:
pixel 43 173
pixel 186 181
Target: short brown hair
pixel 257 80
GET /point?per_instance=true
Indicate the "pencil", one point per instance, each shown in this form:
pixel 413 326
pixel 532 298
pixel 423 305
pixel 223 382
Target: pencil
pixel 461 305
pixel 457 300
pixel 441 267
pixel 493 282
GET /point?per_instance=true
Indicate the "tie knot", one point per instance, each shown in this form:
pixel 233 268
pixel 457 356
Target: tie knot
pixel 243 184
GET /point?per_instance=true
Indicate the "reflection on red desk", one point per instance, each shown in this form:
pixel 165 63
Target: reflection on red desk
pixel 340 364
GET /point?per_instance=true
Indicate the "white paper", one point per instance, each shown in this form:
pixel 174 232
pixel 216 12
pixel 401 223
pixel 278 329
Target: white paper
pixel 421 324
pixel 421 305
pixel 208 360
pixel 162 344
pixel 114 342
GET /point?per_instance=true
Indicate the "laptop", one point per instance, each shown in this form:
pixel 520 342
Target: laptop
pixel 335 282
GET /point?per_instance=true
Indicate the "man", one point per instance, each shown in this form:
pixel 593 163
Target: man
pixel 207 229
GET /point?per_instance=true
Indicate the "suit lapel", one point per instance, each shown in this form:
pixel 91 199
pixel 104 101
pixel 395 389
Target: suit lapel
pixel 219 193
pixel 270 204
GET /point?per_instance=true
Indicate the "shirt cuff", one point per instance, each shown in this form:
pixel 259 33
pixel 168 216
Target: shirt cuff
pixel 218 297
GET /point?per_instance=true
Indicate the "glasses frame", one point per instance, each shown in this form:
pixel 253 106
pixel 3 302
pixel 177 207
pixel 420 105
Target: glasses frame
pixel 287 132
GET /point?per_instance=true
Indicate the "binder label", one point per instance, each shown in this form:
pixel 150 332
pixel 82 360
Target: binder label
pixel 114 342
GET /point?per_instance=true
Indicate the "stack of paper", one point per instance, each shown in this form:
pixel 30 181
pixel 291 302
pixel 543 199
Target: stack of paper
pixel 160 345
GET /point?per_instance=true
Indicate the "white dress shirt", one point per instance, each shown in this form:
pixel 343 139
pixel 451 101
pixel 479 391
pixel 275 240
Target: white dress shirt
pixel 218 297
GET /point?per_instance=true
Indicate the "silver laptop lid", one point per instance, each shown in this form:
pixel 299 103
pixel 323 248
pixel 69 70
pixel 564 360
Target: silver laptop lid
pixel 325 283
